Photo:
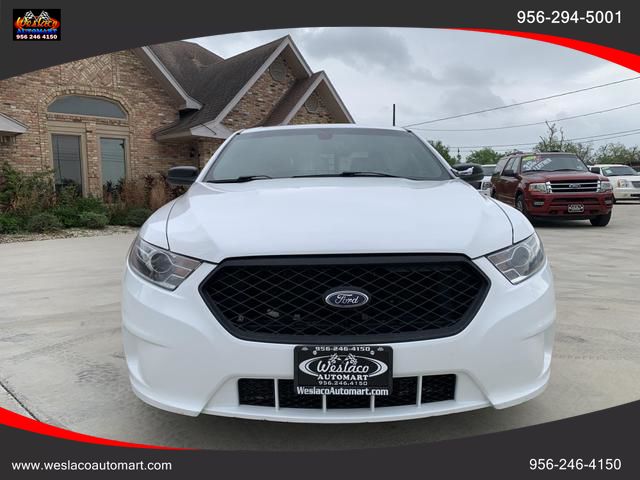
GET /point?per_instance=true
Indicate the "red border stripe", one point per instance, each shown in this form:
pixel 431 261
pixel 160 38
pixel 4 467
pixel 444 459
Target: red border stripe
pixel 15 420
pixel 620 57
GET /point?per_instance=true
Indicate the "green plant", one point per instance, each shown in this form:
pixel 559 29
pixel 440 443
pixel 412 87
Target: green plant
pixel 117 213
pixel 25 192
pixel 69 216
pixel 91 204
pixel 137 216
pixel 9 224
pixel 93 220
pixel 43 222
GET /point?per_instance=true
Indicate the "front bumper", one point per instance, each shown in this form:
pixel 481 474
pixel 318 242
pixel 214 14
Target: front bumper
pixel 557 204
pixel 631 193
pixel 182 360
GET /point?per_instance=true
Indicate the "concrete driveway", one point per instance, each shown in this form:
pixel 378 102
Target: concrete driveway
pixel 61 357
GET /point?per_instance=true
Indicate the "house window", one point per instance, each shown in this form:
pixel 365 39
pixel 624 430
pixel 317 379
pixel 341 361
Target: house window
pixel 312 103
pixel 92 106
pixel 67 161
pixel 278 70
pixel 113 160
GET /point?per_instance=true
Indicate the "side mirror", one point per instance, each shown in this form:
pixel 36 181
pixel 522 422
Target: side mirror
pixel 508 173
pixel 595 170
pixel 182 175
pixel 469 172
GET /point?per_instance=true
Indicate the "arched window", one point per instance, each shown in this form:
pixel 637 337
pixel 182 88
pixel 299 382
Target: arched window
pixel 93 106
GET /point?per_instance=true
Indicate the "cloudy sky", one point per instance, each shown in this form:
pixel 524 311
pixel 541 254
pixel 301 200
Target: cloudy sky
pixel 430 74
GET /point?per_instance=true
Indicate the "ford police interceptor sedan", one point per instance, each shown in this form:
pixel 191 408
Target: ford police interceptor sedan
pixel 335 274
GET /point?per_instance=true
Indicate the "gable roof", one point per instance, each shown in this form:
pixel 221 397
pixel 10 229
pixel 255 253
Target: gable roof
pixel 300 91
pixel 10 126
pixel 186 61
pixel 286 109
pixel 218 84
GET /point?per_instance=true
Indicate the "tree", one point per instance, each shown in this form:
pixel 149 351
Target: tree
pixel 554 141
pixel 617 153
pixel 443 150
pixel 484 156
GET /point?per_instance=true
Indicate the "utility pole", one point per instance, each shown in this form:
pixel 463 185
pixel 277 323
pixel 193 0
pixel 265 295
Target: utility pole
pixel 394 114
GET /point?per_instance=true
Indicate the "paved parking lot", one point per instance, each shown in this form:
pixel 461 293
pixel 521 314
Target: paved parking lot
pixel 61 357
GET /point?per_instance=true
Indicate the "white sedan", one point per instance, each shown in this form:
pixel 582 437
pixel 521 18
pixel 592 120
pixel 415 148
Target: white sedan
pixel 624 179
pixel 335 274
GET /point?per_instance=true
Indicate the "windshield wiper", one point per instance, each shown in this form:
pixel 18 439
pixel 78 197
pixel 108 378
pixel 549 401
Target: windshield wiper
pixel 350 174
pixel 241 179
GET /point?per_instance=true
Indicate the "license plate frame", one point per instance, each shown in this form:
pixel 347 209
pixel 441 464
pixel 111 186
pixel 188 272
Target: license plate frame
pixel 343 369
pixel 575 208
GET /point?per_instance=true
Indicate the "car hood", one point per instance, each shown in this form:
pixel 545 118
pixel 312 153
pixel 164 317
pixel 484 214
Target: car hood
pixel 335 216
pixel 560 176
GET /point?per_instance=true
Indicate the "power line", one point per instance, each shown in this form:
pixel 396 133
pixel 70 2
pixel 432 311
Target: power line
pixel 544 122
pixel 523 103
pixel 610 135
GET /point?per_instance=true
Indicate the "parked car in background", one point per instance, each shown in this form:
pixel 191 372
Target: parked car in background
pixel 624 180
pixel 485 185
pixel 553 185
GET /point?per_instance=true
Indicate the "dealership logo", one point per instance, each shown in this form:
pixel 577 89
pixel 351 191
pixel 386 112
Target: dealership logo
pixel 346 298
pixel 343 367
pixel 37 24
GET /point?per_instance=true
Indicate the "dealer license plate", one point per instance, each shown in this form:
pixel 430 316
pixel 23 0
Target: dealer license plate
pixel 343 370
pixel 575 208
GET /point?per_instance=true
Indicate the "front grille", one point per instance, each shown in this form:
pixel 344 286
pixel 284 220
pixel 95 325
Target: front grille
pixel 574 186
pixel 636 184
pixel 261 392
pixel 282 299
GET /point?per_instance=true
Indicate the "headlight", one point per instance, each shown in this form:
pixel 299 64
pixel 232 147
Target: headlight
pixel 622 183
pixel 538 187
pixel 518 262
pixel 605 186
pixel 159 266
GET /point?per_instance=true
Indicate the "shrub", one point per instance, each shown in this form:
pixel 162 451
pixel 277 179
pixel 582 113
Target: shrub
pixel 117 213
pixel 23 192
pixel 69 216
pixel 91 204
pixel 93 220
pixel 43 222
pixel 158 194
pixel 134 193
pixel 9 224
pixel 137 216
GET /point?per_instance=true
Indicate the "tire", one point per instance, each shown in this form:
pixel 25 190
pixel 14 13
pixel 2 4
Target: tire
pixel 601 220
pixel 521 206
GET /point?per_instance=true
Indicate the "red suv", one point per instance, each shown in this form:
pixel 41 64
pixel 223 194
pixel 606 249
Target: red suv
pixel 553 185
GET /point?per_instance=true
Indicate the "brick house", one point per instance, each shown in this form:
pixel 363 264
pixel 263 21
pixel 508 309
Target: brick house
pixel 141 111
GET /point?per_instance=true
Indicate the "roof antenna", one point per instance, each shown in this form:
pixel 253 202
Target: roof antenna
pixel 394 114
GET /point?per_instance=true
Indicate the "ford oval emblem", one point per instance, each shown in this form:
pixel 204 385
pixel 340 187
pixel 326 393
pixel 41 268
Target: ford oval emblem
pixel 346 298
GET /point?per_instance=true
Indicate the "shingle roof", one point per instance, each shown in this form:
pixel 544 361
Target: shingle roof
pixel 284 107
pixel 217 83
pixel 186 61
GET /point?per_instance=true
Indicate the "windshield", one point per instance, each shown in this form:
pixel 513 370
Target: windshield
pixel 488 170
pixel 552 163
pixel 618 171
pixel 326 152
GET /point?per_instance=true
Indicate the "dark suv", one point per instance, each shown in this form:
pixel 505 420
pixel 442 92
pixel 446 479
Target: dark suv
pixel 553 185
